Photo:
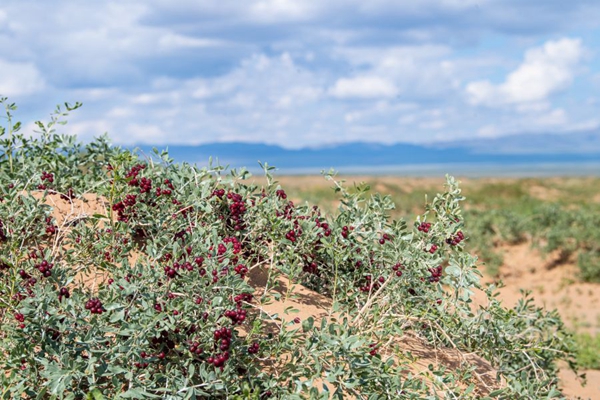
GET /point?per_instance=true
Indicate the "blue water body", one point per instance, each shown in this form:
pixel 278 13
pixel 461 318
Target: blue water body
pixel 473 170
pixel 403 159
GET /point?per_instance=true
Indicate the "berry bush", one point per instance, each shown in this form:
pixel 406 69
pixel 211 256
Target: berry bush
pixel 152 295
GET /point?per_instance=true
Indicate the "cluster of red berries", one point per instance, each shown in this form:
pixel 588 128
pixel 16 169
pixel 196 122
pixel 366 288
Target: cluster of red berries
pixel 63 292
pixel 50 227
pixel 170 271
pixel 120 209
pixel 373 348
pixel 186 265
pixel 238 299
pixel 291 235
pixel 223 339
pixel 46 177
pixel 456 239
pixel 241 270
pixel 297 228
pixel 165 192
pixel 254 348
pixel 196 349
pixel 145 185
pixel 324 226
pixel 18 297
pixel 287 212
pixel 218 193
pixel 94 305
pixel 397 269
pixel 432 249
pixel 346 231
pixel 180 235
pixel 45 268
pixel 369 285
pixel 130 200
pixel 221 249
pixel 21 319
pixel 133 173
pixel 385 238
pixel 24 275
pixel 141 365
pixel 281 194
pixel 215 276
pixel 237 246
pixel 237 209
pixel 237 316
pixel 436 274
pixel 311 268
pixel 424 227
pixel 218 360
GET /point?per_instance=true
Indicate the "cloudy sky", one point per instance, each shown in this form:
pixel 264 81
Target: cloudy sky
pixel 304 72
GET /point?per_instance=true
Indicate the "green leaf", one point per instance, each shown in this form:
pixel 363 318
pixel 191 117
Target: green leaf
pixel 308 324
pixel 95 394
pixel 117 316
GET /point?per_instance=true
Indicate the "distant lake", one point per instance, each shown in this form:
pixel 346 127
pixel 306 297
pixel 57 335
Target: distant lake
pixel 473 170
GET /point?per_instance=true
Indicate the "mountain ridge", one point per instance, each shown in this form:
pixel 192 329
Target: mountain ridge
pixel 582 147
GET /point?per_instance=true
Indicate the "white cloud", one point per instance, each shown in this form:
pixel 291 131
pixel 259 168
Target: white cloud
pixel 488 131
pixel 407 119
pixel 365 87
pixel 143 133
pixel 20 79
pixel 587 125
pixel 432 125
pixel 266 11
pixel 423 71
pixel 533 107
pixel 546 70
pixel 553 118
pixel 171 41
pixel 86 130
pixel 120 112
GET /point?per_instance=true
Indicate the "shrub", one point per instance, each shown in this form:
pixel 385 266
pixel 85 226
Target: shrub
pixel 149 296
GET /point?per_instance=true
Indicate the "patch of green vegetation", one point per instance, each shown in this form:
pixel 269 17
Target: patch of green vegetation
pixel 588 350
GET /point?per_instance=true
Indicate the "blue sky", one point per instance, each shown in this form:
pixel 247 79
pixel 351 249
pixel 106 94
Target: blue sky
pixel 304 72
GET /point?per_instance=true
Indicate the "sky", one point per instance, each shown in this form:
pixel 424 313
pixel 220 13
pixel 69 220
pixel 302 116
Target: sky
pixel 304 73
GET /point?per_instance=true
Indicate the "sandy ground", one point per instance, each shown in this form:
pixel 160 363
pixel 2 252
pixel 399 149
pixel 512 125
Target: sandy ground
pixel 552 286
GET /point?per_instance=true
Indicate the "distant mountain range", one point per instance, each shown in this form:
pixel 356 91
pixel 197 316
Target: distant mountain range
pixel 502 152
pixel 577 143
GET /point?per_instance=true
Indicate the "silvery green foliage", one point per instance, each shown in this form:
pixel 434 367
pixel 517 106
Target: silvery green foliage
pixel 161 324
